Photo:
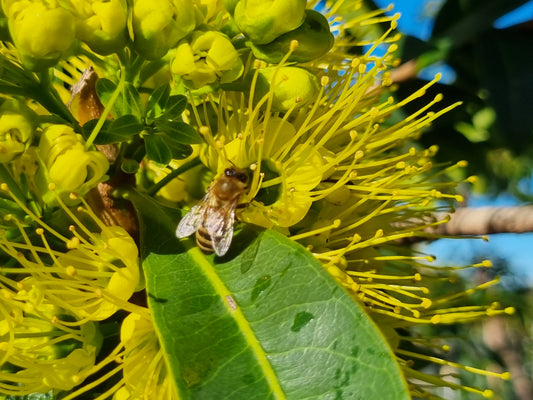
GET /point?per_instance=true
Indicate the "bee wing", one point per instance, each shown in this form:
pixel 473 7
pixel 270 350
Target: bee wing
pixel 219 225
pixel 190 222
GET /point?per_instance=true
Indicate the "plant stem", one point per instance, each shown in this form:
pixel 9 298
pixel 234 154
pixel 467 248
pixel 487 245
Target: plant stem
pixel 178 171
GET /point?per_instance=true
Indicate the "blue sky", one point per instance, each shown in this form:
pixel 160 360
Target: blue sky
pixel 516 249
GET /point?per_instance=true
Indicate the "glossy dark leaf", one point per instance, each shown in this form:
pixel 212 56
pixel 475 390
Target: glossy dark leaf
pixel 126 126
pixel 178 131
pixel 157 101
pixel 179 151
pixel 156 149
pixel 174 107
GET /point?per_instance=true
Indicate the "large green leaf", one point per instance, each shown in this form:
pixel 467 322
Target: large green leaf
pixel 264 322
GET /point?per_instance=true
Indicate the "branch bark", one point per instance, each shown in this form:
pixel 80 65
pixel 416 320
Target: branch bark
pixel 487 220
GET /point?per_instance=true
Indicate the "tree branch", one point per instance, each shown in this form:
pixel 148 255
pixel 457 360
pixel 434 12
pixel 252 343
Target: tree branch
pixel 486 220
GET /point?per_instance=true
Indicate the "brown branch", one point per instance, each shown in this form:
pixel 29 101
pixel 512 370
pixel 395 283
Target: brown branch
pixel 487 220
pixel 110 210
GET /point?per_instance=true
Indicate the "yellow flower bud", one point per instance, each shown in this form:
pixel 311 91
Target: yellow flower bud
pixel 313 36
pixel 290 86
pixel 160 25
pixel 101 24
pixel 43 34
pixel 209 9
pixel 263 21
pixel 70 166
pixel 207 58
pixel 17 125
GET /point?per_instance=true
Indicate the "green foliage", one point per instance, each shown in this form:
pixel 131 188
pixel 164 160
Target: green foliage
pixel 159 123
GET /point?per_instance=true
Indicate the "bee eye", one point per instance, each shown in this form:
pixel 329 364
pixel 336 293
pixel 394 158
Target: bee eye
pixel 242 177
pixel 229 172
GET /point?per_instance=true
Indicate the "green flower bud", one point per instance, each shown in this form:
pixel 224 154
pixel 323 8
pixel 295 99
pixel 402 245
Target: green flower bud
pixel 17 126
pixel 69 165
pixel 101 24
pixel 289 86
pixel 42 34
pixel 313 36
pixel 160 25
pixel 207 58
pixel 263 21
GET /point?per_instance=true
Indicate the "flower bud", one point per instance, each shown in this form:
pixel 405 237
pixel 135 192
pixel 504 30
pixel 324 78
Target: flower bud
pixel 101 24
pixel 209 9
pixel 263 21
pixel 70 166
pixel 42 34
pixel 159 25
pixel 290 86
pixel 313 36
pixel 17 125
pixel 206 58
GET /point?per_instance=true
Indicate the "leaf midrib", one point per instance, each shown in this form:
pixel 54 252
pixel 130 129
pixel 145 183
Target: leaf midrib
pixel 241 321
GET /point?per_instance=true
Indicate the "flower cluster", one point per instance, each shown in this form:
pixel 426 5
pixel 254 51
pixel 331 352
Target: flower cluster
pixel 279 88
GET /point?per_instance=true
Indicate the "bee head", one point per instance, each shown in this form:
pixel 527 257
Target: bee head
pixel 239 174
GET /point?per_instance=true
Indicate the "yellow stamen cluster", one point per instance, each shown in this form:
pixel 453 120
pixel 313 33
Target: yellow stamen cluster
pixel 53 286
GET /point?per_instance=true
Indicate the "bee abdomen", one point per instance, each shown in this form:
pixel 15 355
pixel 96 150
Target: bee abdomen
pixel 203 240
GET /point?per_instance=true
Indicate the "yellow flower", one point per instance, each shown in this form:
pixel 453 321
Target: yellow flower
pixel 50 297
pixel 101 24
pixel 145 371
pixel 158 26
pixel 42 31
pixel 205 58
pixel 44 353
pixel 17 126
pixel 69 165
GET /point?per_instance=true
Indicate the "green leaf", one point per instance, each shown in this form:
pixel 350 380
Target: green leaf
pixel 264 322
pixel 104 135
pixel 156 149
pixel 175 106
pixel 179 151
pixel 120 130
pixel 126 126
pixel 157 101
pixel 127 102
pixel 178 131
pixel 105 89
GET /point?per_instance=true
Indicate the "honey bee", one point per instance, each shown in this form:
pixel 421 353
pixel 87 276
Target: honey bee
pixel 213 218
